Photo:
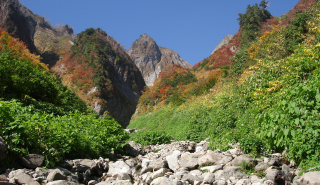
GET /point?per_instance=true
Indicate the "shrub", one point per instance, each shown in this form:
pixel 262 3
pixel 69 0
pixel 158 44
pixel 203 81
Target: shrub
pixel 28 130
pixel 151 137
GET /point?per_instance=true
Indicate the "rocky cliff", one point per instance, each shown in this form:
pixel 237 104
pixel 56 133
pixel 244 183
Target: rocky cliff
pixel 151 59
pixel 37 33
pixel 224 41
pixel 102 74
pixel 16 19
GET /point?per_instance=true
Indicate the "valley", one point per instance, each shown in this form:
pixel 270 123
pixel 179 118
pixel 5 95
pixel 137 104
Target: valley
pixel 246 114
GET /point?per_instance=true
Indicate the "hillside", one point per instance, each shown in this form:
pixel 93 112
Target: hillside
pixel 98 69
pixel 151 58
pixel 265 97
pixel 39 115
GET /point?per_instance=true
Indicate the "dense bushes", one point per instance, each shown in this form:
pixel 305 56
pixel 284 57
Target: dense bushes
pixel 150 137
pixel 28 130
pixel 23 77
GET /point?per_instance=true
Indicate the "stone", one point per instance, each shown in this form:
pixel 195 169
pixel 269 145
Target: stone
pixel 3 148
pixel 162 181
pixel 243 182
pixel 56 175
pixel 20 177
pixel 159 173
pixel 123 176
pixel 212 169
pixel 242 158
pixel 271 174
pixel 157 164
pixel 234 151
pixel 3 178
pixel 32 161
pixel 230 171
pixel 261 167
pixel 84 165
pixel 118 167
pixel 62 182
pixel 310 178
pixel 211 158
pixel 286 168
pixel 173 160
pixel 208 178
pixel 196 173
pixel 220 182
pixel 191 178
pixel 189 160
pixel 134 149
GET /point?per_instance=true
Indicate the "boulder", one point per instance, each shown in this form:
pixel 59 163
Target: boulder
pixel 2 149
pixel 157 164
pixel 20 177
pixel 84 165
pixel 211 158
pixel 242 159
pixel 123 176
pixel 118 167
pixel 261 167
pixel 189 160
pixel 62 182
pixel 271 174
pixel 134 149
pixel 191 178
pixel 32 161
pixel 56 175
pixel 243 182
pixel 230 171
pixel 162 181
pixel 310 178
pixel 212 169
pixel 173 160
pixel 208 178
pixel 159 173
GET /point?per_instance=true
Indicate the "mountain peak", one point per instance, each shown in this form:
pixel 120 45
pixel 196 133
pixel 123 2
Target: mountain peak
pixel 151 59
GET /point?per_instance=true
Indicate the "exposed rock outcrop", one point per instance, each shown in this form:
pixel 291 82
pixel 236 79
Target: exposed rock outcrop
pixel 35 31
pixel 151 59
pixel 224 41
pixel 17 20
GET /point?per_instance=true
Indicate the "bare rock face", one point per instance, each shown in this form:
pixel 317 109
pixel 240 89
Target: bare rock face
pixel 15 19
pixel 151 59
pixel 224 41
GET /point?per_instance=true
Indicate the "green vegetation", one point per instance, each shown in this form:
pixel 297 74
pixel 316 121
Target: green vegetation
pixel 45 117
pixel 250 22
pixel 150 137
pixel 268 102
pixel 29 130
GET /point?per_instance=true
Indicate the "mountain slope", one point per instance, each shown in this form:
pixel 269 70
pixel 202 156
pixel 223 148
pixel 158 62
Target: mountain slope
pixel 98 69
pixel 267 99
pixel 151 59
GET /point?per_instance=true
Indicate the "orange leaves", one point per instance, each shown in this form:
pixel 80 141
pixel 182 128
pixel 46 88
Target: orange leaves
pixel 19 49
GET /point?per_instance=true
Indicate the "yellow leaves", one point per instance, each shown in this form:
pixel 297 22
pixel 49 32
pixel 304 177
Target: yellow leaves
pixel 274 85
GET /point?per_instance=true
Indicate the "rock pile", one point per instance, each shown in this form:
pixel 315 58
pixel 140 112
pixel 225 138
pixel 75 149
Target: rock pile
pixel 178 163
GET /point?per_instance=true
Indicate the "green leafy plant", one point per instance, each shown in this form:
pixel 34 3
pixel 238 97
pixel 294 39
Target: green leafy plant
pixel 151 137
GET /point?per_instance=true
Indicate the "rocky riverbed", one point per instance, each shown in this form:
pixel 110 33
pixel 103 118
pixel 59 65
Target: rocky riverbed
pixel 178 163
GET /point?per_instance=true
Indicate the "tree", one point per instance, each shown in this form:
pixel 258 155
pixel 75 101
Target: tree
pixel 251 20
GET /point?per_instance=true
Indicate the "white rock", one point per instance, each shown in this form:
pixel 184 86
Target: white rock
pixel 173 160
pixel 310 178
pixel 118 167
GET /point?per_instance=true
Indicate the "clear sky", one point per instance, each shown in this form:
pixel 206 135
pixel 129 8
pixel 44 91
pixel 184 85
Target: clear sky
pixel 193 28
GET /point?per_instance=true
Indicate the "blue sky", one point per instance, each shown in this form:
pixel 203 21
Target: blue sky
pixel 190 27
